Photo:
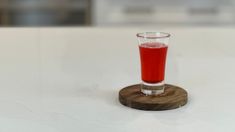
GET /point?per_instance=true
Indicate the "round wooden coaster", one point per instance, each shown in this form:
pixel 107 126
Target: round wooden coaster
pixel 173 97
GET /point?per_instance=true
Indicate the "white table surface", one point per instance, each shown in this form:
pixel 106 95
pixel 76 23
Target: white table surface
pixel 67 80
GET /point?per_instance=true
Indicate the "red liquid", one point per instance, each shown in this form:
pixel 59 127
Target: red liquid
pixel 153 58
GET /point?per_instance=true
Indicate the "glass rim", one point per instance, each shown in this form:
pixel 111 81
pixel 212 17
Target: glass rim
pixel 157 35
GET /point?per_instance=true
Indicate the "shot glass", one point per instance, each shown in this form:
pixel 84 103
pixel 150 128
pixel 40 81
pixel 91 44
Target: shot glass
pixel 153 52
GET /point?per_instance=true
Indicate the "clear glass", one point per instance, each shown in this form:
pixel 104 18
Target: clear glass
pixel 153 51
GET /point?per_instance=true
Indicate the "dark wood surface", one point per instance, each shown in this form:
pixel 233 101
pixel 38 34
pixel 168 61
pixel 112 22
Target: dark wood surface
pixel 173 97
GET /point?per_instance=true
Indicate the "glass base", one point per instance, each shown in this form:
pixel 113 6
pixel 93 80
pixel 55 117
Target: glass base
pixel 152 88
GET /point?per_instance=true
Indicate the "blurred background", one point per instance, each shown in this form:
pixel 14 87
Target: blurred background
pixel 116 12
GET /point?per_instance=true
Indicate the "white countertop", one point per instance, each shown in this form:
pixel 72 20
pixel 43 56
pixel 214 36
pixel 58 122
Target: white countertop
pixel 67 80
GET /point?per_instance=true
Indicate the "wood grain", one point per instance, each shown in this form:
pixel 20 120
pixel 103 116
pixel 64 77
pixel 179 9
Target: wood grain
pixel 173 97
